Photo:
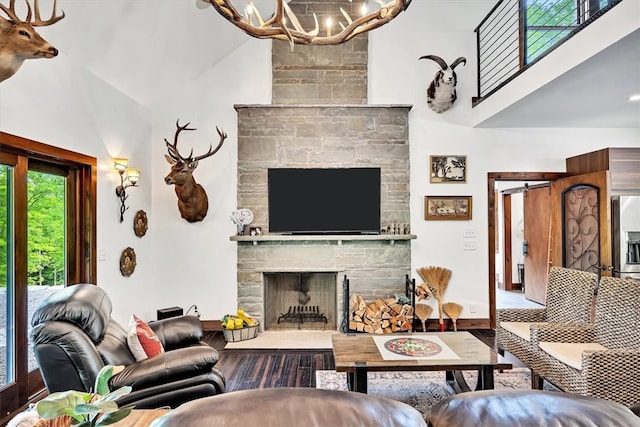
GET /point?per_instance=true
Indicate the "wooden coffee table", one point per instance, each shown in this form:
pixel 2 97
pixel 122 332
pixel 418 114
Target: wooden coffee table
pixel 140 417
pixel 357 353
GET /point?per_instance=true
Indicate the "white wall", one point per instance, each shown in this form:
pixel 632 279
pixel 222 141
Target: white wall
pixel 396 76
pixel 196 262
pixel 59 102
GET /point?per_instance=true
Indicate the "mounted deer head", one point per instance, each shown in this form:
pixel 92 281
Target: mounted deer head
pixel 20 41
pixel 192 199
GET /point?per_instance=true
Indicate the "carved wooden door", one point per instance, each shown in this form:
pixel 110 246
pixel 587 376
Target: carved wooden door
pixel 581 222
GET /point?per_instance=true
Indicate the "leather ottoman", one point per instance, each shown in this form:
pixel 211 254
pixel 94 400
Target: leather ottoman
pixel 528 408
pixel 278 407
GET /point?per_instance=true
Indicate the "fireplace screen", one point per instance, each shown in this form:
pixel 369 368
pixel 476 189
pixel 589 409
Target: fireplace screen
pixel 300 301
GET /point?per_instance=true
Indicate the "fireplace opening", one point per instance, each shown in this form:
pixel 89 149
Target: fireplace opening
pixel 300 300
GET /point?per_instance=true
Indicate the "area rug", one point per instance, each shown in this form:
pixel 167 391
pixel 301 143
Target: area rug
pixel 421 389
pixel 285 340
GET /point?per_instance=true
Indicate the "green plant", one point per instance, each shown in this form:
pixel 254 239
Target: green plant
pixel 88 409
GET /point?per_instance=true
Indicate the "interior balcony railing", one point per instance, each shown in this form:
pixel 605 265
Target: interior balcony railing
pixel 518 33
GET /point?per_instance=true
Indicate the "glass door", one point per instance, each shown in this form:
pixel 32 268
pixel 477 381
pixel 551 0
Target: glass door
pixel 7 342
pixel 41 202
pixel 46 243
pixel 47 240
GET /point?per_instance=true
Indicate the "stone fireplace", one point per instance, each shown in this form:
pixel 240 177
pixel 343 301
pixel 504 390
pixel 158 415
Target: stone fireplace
pixel 319 118
pixel 323 136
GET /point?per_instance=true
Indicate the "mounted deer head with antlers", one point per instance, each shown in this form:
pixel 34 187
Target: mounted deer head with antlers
pixel 19 40
pixel 192 199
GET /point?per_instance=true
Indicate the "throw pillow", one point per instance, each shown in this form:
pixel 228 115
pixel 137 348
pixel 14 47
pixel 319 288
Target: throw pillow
pixel 143 342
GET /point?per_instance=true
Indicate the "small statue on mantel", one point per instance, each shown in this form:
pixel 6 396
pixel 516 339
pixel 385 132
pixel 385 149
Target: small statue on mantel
pixel 241 218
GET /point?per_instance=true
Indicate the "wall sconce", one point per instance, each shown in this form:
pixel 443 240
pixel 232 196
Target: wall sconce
pixel 128 178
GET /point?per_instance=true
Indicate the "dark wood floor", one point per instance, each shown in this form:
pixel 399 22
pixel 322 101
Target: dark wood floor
pixel 248 369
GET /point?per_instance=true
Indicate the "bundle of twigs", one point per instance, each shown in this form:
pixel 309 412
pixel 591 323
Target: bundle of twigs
pixel 453 310
pixel 437 280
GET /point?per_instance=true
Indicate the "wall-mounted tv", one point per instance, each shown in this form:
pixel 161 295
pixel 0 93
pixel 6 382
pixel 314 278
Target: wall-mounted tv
pixel 324 200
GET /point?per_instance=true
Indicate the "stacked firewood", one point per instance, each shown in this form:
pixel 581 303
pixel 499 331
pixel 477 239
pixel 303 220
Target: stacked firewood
pixel 382 316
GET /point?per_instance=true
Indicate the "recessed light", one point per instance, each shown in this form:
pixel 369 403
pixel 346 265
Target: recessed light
pixel 635 97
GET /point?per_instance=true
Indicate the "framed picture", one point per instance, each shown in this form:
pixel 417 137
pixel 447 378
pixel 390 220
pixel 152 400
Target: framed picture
pixel 447 207
pixel 448 169
pixel 255 231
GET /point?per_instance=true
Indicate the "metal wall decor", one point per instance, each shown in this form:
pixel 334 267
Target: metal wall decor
pixel 127 262
pixel 140 223
pixel 581 228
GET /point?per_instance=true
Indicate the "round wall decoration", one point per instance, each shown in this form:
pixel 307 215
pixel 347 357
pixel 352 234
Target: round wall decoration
pixel 140 223
pixel 127 262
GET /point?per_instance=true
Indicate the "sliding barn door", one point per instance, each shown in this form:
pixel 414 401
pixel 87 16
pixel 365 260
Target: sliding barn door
pixel 537 227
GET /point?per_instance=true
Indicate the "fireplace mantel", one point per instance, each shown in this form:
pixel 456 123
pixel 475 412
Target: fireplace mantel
pixel 322 237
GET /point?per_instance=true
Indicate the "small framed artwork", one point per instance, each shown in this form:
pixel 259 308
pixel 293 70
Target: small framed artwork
pixel 448 169
pixel 447 207
pixel 255 231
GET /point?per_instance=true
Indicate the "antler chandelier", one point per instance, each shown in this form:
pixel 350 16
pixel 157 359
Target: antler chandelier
pixel 284 25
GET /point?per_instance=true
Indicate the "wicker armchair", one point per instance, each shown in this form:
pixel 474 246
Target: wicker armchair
pixel 601 360
pixel 569 300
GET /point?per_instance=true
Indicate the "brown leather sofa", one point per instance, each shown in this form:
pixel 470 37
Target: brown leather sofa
pixel 277 407
pixel 528 408
pixel 74 336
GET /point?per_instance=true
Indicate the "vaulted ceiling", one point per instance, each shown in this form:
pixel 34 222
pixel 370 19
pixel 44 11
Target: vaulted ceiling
pixel 161 43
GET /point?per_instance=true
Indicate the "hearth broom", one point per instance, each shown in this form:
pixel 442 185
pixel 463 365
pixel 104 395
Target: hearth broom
pixel 423 311
pixel 437 280
pixel 453 310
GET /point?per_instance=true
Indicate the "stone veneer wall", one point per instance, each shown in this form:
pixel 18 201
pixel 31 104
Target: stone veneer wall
pixel 323 136
pixel 320 74
pixel 271 136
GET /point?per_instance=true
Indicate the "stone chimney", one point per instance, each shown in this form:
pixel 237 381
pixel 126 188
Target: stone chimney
pixel 320 118
pixel 320 74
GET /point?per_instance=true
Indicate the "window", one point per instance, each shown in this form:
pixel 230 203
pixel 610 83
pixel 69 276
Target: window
pixel 547 23
pixel 47 240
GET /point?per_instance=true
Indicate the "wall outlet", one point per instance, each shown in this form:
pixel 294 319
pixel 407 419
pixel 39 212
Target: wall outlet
pixel 473 307
pixel 470 245
pixel 469 233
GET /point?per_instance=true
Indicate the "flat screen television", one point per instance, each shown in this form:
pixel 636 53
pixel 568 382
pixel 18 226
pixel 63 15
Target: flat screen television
pixel 324 200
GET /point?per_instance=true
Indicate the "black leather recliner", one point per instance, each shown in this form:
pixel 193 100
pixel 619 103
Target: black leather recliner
pixel 74 336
